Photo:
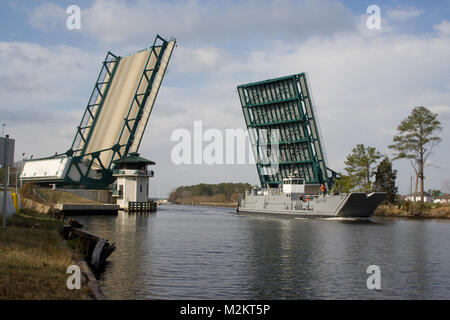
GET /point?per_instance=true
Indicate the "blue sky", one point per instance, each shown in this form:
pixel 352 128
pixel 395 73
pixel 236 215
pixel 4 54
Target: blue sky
pixel 15 19
pixel 364 81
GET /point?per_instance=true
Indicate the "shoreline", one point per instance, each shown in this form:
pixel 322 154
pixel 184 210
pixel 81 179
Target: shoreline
pixel 34 255
pixel 207 204
pixel 411 216
pixel 387 211
pixel 38 225
pixel 90 281
pixel 438 212
pixel 34 259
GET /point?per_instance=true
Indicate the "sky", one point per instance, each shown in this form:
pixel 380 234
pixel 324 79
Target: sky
pixel 364 81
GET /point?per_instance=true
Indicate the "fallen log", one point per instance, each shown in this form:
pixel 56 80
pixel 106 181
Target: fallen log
pixel 95 249
pixel 91 282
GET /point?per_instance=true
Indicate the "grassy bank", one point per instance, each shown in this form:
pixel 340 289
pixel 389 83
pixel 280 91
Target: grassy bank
pixel 213 201
pixel 33 261
pixel 57 196
pixel 51 197
pixel 428 212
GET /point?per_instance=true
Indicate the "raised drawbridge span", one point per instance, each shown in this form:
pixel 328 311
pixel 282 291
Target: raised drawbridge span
pixel 284 105
pixel 113 123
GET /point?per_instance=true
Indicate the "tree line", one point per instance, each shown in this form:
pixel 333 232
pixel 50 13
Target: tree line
pixel 416 138
pixel 227 189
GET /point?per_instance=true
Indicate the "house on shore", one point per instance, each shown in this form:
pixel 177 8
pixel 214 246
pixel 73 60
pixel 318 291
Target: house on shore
pixel 444 199
pixel 426 197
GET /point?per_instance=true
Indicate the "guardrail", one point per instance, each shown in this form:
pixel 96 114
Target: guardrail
pixel 149 173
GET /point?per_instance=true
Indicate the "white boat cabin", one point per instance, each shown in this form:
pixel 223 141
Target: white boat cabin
pixel 293 186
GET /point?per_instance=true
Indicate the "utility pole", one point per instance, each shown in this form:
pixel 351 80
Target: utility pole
pixel 21 167
pixel 5 180
pixel 17 178
pixel 410 186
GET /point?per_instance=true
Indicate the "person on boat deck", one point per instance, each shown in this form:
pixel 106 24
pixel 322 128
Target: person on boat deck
pixel 322 190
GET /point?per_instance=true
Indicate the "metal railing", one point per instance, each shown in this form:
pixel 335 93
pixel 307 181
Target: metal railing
pixel 134 172
pixel 148 206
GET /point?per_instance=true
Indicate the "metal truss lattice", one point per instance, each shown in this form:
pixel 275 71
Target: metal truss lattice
pixel 285 104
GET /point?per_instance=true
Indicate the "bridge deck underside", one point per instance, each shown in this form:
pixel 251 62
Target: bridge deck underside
pixel 108 127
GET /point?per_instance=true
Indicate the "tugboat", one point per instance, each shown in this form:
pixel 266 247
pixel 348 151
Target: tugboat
pixel 291 200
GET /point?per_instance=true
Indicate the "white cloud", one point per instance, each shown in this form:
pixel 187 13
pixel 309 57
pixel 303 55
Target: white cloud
pixel 402 14
pixel 363 87
pixel 443 28
pixel 441 110
pixel 386 132
pixel 47 17
pixel 49 75
pixel 199 59
pixel 43 93
pixel 117 21
pixel 364 83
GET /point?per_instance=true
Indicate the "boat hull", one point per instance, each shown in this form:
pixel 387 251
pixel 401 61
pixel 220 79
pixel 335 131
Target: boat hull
pixel 360 204
pixel 352 205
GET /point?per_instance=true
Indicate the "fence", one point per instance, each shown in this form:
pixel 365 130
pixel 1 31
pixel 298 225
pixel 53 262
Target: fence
pixel 149 206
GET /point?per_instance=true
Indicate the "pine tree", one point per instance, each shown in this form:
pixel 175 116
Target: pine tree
pixel 416 140
pixel 343 184
pixel 360 166
pixel 385 180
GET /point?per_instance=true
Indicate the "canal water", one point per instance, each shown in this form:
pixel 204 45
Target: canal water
pixel 192 252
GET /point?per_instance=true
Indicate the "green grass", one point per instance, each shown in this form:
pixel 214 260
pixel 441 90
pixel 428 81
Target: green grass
pixel 58 196
pixel 33 262
pixel 428 210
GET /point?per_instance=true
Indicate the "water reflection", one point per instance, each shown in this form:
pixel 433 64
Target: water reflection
pixel 184 252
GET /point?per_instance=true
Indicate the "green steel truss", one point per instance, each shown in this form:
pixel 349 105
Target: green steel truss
pixel 138 103
pixel 89 164
pixel 90 116
pixel 285 104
